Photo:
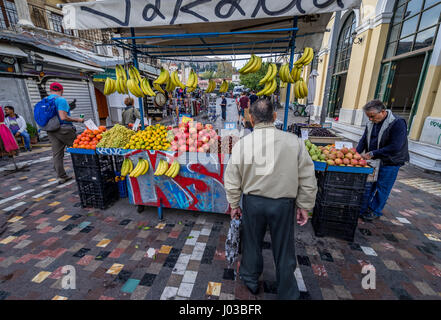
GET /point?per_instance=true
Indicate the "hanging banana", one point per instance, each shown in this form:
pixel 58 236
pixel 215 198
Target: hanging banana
pixel 109 86
pixel 163 77
pixel 146 89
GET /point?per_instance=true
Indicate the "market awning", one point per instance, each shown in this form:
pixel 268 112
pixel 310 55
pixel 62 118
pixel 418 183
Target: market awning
pixel 69 63
pixel 161 25
pixel 8 50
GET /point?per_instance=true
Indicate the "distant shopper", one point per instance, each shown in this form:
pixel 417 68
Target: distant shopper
pixel 224 107
pixel 273 173
pixel 130 113
pixel 17 125
pixel 385 138
pixel 244 102
pixel 65 135
pixel 253 97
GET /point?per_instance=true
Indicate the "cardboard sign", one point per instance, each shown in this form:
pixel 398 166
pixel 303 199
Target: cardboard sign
pixel 90 125
pixel 136 125
pixel 304 134
pixel 186 119
pixel 230 125
pixel 342 144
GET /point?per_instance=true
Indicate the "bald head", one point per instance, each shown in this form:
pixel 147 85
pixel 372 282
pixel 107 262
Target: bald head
pixel 262 111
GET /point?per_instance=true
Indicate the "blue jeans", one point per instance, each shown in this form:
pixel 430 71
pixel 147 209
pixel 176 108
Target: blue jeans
pixel 26 138
pixel 376 193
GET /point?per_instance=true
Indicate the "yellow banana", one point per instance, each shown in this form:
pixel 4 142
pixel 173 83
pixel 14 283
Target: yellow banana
pixel 163 77
pixel 268 74
pixel 171 169
pixel 309 57
pixel 191 80
pixel 146 167
pixel 248 64
pixel 253 66
pixel 176 170
pixel 158 87
pixel 257 66
pixel 164 167
pixel 109 86
pixel 133 86
pixel 146 89
pixel 139 168
pixel 273 75
pixel 272 88
pixel 282 74
pixel 305 88
pixel 301 59
pixel 265 88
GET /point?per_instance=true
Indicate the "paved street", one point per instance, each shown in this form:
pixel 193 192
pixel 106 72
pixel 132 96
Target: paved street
pixel 121 254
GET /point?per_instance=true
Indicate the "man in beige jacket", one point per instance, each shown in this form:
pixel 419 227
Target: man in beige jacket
pixel 274 173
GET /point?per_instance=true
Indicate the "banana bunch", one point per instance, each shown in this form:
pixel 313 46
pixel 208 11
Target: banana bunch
pixel 161 168
pixel 296 72
pixel 109 86
pixel 192 81
pixel 133 84
pixel 146 89
pixel 163 77
pixel 121 80
pixel 300 89
pixel 173 170
pixel 269 88
pixel 134 74
pixel 284 74
pixel 170 86
pixel 224 86
pixel 306 58
pixel 270 74
pixel 126 168
pixel 175 79
pixel 141 168
pixel 253 65
pixel 211 86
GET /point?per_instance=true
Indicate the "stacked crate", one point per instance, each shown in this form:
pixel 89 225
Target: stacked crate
pixel 122 184
pixel 95 177
pixel 338 203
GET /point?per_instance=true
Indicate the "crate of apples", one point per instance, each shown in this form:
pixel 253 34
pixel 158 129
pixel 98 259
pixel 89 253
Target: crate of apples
pixel 89 138
pixel 193 137
pixel 343 157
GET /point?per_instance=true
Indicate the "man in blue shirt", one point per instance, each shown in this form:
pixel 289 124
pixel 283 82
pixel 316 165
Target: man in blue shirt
pixel 385 139
pixel 65 135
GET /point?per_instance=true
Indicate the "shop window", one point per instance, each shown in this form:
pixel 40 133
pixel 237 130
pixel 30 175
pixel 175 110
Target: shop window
pixel 8 14
pixel 344 45
pixel 415 25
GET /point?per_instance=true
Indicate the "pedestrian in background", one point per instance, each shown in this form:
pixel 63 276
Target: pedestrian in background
pixel 17 125
pixel 384 139
pixel 130 113
pixel 65 135
pixel 253 97
pixel 269 196
pixel 224 107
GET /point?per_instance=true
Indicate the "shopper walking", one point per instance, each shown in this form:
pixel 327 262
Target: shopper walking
pixel 224 107
pixel 270 194
pixel 130 113
pixel 385 139
pixel 244 102
pixel 65 135
pixel 253 97
pixel 17 125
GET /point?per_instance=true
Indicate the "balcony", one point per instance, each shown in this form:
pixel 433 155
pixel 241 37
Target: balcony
pixel 8 14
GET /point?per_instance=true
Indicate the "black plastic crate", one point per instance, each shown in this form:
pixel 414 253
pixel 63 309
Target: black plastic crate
pixel 344 231
pixel 91 160
pixel 117 162
pixel 339 197
pixel 341 214
pixel 97 195
pixel 342 180
pixel 94 174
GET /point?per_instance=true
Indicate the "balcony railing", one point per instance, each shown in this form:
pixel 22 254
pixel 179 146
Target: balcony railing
pixel 8 14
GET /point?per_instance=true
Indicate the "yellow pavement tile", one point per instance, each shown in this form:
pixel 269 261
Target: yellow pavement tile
pixel 64 218
pixel 115 269
pixel 15 219
pixel 38 199
pixel 214 288
pixel 103 243
pixel 160 226
pixel 7 240
pixel 432 237
pixel 53 204
pixel 59 298
pixel 53 179
pixel 165 249
pixel 22 178
pixel 39 278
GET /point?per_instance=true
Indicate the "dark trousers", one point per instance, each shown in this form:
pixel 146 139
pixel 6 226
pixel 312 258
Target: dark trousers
pixel 377 193
pixel 60 139
pixel 224 112
pixel 258 213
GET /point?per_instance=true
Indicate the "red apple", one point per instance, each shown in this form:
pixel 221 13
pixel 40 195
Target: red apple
pixel 326 151
pixel 174 148
pixel 332 156
pixel 201 149
pixel 199 144
pixel 348 155
pixel 362 162
pixel 346 161
pixel 208 126
pixel 192 149
pixel 354 162
pixel 344 150
pixel 353 150
pixel 340 155
pixel 357 156
pixel 182 148
pixel 338 161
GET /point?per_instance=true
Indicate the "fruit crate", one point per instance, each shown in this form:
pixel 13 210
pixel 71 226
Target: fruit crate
pixel 339 196
pixel 97 195
pixel 341 214
pixel 90 160
pixel 344 231
pixel 342 180
pixel 101 174
pixel 122 186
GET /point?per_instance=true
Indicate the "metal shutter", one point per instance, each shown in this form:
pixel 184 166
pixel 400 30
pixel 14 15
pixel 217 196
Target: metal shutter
pixel 77 90
pixel 33 92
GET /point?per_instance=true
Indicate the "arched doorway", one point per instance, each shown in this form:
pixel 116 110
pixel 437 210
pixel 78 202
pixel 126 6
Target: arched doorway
pixel 341 66
pixel 412 35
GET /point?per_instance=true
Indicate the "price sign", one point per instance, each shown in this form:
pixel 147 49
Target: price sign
pixel 304 134
pixel 136 125
pixel 343 144
pixel 90 125
pixel 186 119
pixel 230 125
pixel 327 125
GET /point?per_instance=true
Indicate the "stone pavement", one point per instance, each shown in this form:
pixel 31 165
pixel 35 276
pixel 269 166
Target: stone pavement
pixel 121 254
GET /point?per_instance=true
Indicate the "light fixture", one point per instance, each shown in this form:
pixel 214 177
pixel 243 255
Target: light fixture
pixel 38 67
pixel 8 60
pixel 355 39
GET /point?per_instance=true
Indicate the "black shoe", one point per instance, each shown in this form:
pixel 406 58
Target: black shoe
pixel 64 180
pixel 370 216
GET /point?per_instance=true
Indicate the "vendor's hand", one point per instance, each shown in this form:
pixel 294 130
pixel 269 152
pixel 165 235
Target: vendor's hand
pixel 236 213
pixel 367 156
pixel 81 120
pixel 302 216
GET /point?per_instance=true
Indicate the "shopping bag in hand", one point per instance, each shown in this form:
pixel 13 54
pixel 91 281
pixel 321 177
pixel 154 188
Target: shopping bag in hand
pixel 233 241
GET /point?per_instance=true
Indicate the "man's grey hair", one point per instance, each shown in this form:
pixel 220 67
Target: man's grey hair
pixel 374 105
pixel 262 111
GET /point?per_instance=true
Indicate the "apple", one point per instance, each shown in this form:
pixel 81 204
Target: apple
pixel 182 148
pixel 331 162
pixel 200 149
pixel 192 149
pixel 362 162
pixel 174 148
pixel 354 162
pixel 344 150
pixel 338 161
pixel 349 165
pixel 199 144
pixel 205 139
pixel 326 151
pixel 357 156
pixel 346 161
pixel 340 155
pixel 332 156
pixel 206 147
pixel 208 126
pixel 193 130
pixel 348 155
pixel 353 150
pixel 194 136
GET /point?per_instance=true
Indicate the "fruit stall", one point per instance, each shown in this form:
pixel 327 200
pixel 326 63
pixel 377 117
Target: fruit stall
pixel 182 167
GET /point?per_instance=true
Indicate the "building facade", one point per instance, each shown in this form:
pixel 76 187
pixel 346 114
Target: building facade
pixel 388 50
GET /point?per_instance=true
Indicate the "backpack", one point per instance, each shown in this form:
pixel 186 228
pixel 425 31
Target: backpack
pixel 46 115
